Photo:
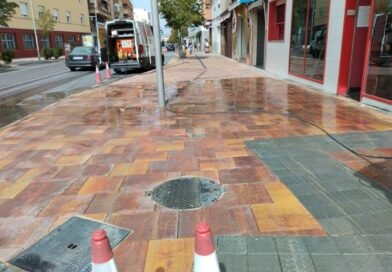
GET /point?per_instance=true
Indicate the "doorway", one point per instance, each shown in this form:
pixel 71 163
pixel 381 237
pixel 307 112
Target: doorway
pixel 355 34
pixel 241 47
pixel 260 38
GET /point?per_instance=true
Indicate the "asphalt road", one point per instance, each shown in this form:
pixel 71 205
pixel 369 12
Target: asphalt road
pixel 30 87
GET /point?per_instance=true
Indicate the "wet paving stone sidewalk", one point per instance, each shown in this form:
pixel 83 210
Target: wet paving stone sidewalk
pixel 293 199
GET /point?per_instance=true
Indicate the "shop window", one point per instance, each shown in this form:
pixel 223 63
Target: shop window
pixel 59 41
pixel 8 40
pixel 277 18
pixel 379 72
pixel 28 41
pixel 308 38
pixel 45 42
pixel 71 39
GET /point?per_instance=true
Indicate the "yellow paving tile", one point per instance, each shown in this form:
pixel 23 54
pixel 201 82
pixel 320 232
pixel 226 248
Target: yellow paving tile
pixel 97 216
pixel 104 184
pixel 129 169
pixel 213 164
pixel 137 133
pixel 4 163
pixel 153 156
pixel 105 149
pixel 239 152
pixel 48 146
pixel 171 146
pixel 285 214
pixel 72 160
pixel 120 141
pixel 170 255
pixel 16 187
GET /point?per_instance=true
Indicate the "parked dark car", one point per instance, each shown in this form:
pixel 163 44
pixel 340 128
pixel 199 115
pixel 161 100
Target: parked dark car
pixel 170 47
pixel 82 56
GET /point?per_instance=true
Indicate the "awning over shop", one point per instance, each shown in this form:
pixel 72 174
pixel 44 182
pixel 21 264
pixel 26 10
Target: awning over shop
pixel 256 4
pixel 239 2
pixel 224 17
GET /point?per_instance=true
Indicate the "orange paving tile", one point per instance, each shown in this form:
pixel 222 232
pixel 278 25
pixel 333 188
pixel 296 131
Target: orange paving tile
pixel 171 146
pixel 285 215
pixel 71 160
pixel 129 169
pixel 95 185
pixel 169 255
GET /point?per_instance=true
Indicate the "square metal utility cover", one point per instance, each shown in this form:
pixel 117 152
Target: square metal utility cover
pixel 66 248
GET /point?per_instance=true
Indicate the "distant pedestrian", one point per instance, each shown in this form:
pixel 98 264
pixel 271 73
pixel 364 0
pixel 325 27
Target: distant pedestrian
pixel 206 46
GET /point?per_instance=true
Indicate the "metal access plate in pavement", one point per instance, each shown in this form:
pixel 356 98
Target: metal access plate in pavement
pixel 66 248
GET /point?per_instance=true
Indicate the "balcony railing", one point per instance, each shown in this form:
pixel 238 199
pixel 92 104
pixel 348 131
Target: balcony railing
pixel 102 10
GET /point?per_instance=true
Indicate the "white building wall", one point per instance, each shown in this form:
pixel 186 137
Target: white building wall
pixel 278 52
pixel 142 15
pixel 216 32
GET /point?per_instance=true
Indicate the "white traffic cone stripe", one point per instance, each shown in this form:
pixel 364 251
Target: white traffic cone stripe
pixel 109 266
pixel 206 263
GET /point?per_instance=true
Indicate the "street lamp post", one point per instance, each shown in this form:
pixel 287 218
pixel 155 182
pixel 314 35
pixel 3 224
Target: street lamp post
pixel 35 30
pixel 96 28
pixel 158 53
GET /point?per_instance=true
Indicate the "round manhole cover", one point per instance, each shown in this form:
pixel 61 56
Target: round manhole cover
pixel 187 193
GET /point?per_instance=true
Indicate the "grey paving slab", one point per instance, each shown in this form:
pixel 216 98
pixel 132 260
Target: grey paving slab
pixel 321 245
pixel 330 263
pixel 353 244
pixel 372 221
pixel 232 245
pixel 296 263
pixel 261 245
pixel 381 243
pixel 319 206
pixel 302 189
pixel 385 262
pixel 291 245
pixel 339 226
pixel 232 262
pixel 259 263
pixel 364 263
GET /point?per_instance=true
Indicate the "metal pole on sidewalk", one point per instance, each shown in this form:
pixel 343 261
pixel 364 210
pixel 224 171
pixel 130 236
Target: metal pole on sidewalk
pixel 35 30
pixel 97 29
pixel 158 52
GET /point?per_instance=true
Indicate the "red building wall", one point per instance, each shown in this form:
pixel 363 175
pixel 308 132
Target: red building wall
pixel 21 52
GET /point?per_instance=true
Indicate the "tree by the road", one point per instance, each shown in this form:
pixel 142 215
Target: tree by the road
pixel 46 23
pixel 7 10
pixel 181 14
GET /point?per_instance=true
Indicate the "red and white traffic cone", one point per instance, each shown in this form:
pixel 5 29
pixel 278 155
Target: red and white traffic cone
pixel 98 78
pixel 205 258
pixel 108 74
pixel 102 255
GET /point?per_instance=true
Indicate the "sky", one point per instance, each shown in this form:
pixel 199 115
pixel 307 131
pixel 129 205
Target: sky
pixel 146 4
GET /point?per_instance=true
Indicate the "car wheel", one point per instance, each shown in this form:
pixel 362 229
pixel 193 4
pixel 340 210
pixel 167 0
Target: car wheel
pixel 72 68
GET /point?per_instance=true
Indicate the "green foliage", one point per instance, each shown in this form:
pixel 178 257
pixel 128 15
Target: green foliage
pixel 181 14
pixel 46 23
pixel 57 52
pixel 7 56
pixel 47 53
pixel 173 38
pixel 7 10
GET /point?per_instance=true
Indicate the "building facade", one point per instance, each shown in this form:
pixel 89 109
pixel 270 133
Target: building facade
pixel 142 15
pixel 343 47
pixel 72 21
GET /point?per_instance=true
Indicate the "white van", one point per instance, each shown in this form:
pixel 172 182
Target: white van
pixel 130 45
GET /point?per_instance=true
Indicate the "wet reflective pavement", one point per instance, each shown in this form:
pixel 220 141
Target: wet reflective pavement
pixel 97 153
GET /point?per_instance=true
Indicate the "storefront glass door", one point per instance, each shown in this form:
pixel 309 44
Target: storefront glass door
pixel 379 73
pixel 308 38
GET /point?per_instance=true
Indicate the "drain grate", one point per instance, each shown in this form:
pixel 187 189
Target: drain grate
pixel 67 248
pixel 187 193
